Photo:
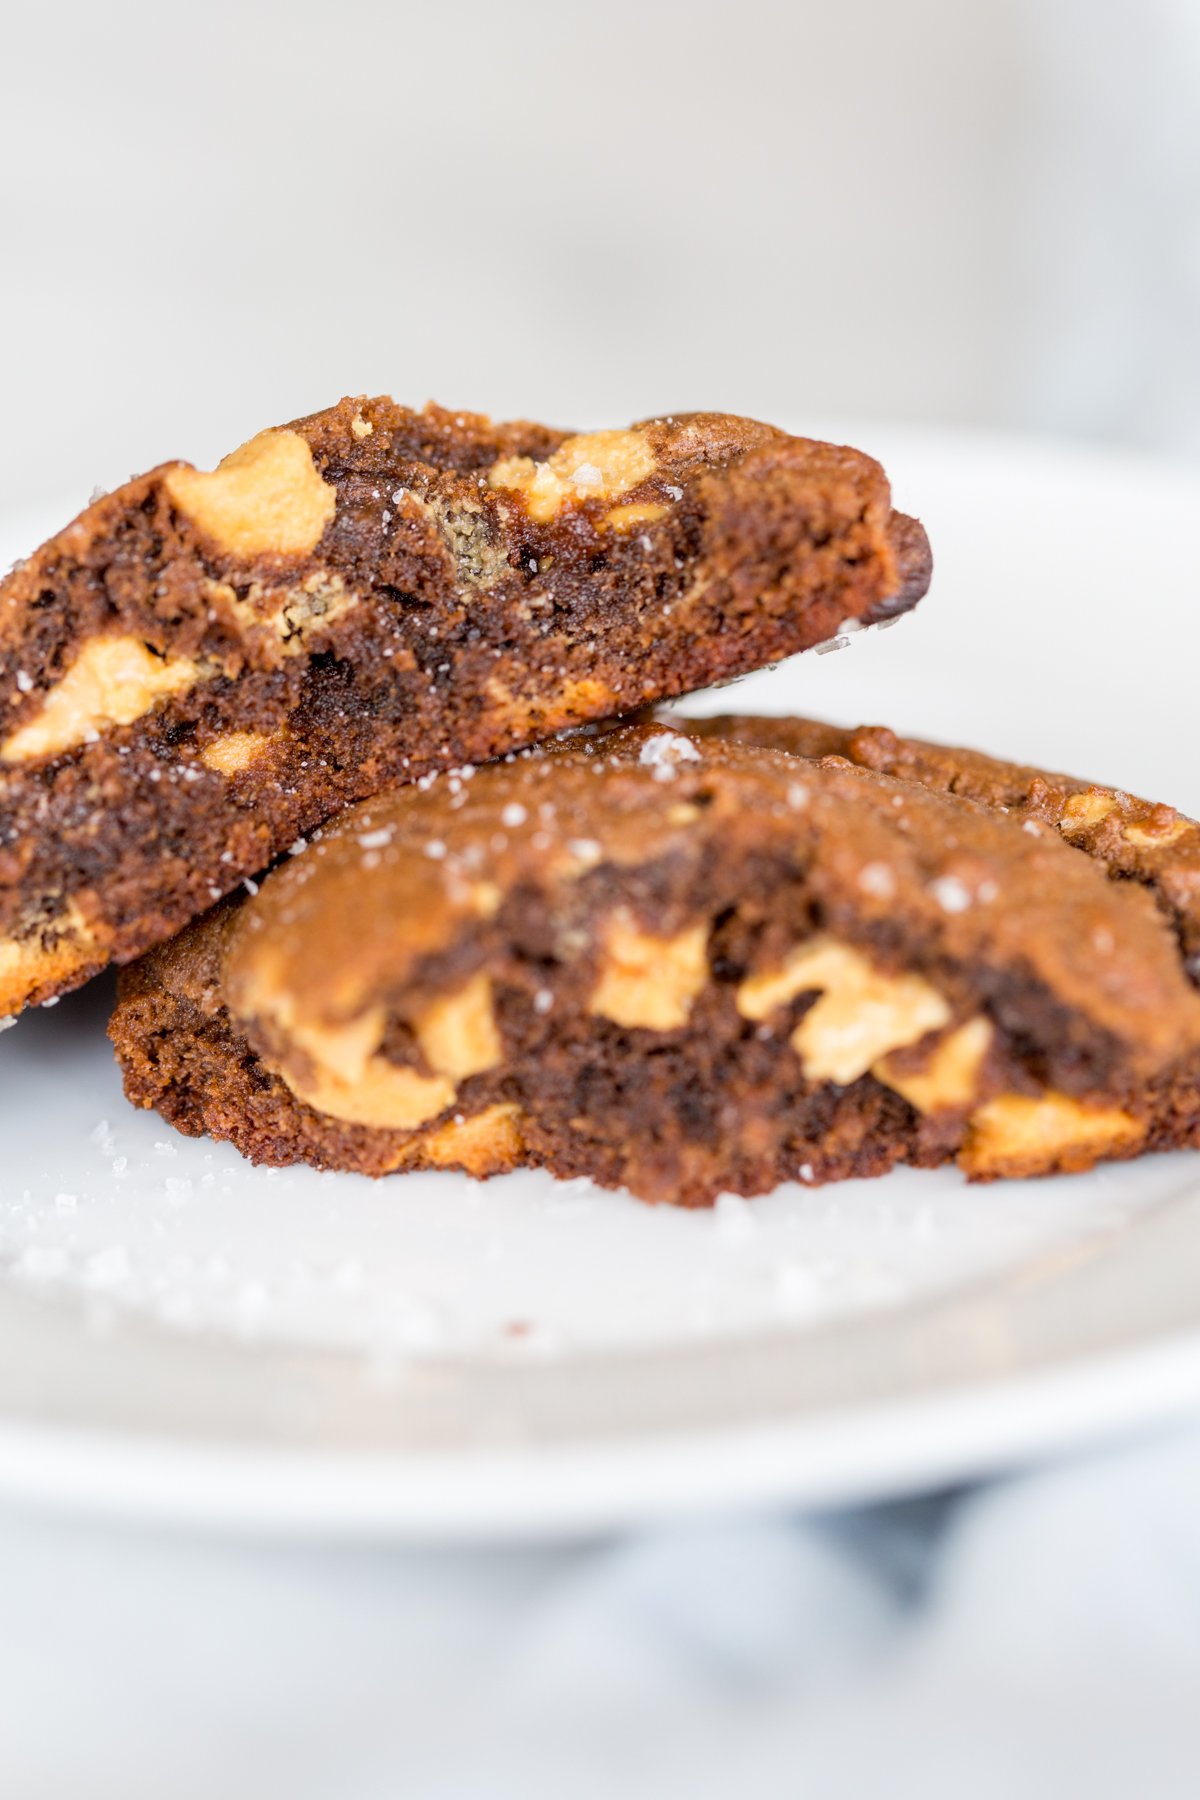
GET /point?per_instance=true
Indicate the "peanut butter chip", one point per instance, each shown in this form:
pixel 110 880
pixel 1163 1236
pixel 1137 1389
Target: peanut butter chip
pixel 113 681
pixel 571 702
pixel 351 1081
pixel 458 1035
pixel 640 512
pixel 264 499
pixel 484 1143
pixel 760 995
pixel 950 1078
pixel 1017 1134
pixel 1082 810
pixel 649 982
pixel 597 466
pixel 861 1015
pixel 235 751
pixel 382 1096
pixel 1146 837
pixel 27 962
pixel 345 1076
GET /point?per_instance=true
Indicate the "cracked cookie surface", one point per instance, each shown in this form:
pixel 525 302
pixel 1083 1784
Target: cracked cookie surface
pixel 1144 841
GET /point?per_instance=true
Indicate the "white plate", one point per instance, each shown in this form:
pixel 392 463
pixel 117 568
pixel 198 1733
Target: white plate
pixel 186 1337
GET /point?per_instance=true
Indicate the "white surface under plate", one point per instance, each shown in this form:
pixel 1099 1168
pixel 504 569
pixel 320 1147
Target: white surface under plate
pixel 187 1337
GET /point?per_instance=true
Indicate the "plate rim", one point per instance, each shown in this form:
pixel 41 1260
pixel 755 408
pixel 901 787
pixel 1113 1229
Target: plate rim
pixel 1051 1354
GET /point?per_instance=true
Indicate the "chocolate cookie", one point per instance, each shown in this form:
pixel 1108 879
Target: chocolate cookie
pixel 1136 840
pixel 672 963
pixel 205 666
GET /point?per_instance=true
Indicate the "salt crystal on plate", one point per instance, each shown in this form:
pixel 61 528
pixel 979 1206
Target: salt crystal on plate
pixel 102 1134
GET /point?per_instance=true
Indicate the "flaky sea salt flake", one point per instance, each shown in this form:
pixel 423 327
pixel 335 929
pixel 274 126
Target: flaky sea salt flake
pixel 951 894
pixel 876 879
pixel 102 1135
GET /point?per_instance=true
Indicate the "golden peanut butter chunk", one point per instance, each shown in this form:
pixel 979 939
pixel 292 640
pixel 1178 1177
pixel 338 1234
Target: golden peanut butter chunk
pixel 28 963
pixel 1152 837
pixel 113 681
pixel 349 1080
pixel 634 516
pixel 266 498
pixel 484 1143
pixel 649 982
pixel 458 1035
pixel 1019 1134
pixel 760 995
pixel 599 465
pixel 861 1015
pixel 230 754
pixel 950 1078
pixel 1083 810
pixel 383 1096
pixel 574 701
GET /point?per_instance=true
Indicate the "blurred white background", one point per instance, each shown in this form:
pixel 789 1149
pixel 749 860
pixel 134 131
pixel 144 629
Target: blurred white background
pixel 217 218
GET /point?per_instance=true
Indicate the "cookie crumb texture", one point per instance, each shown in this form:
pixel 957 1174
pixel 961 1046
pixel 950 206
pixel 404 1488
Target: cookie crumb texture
pixel 676 965
pixel 204 666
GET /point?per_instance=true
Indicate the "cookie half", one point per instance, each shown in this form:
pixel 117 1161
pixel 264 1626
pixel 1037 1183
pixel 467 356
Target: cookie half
pixel 202 667
pixel 679 965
